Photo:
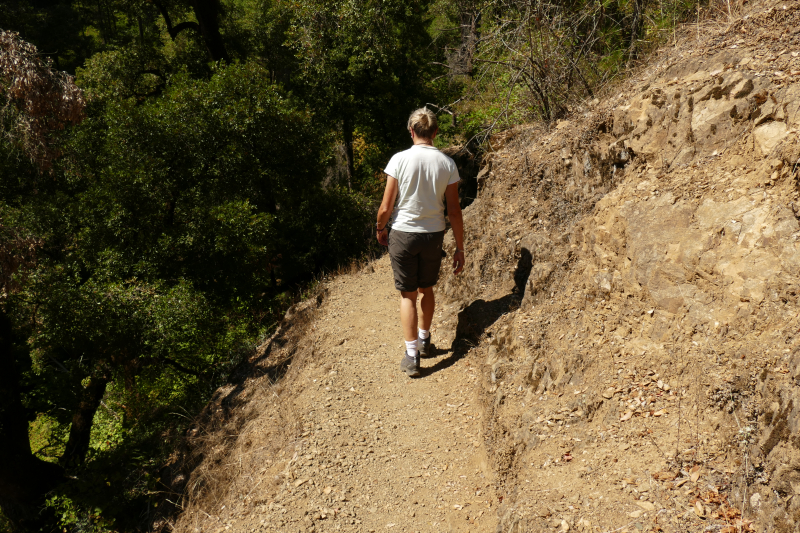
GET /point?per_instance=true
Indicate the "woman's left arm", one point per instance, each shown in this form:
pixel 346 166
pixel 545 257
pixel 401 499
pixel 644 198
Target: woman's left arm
pixel 385 210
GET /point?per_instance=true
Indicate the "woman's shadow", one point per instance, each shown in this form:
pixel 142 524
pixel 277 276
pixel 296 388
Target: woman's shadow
pixel 473 320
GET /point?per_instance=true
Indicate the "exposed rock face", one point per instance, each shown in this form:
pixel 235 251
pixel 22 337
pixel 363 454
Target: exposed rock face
pixel 644 256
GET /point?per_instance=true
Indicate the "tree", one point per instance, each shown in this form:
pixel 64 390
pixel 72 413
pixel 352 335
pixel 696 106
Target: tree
pixel 154 243
pixel 38 103
pixel 363 64
pixel 208 14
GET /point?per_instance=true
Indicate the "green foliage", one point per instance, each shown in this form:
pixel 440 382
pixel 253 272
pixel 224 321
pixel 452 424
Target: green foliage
pixel 359 52
pixel 364 65
pixel 325 230
pixel 190 184
pixel 172 228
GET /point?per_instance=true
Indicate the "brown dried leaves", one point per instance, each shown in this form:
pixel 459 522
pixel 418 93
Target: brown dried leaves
pixel 35 100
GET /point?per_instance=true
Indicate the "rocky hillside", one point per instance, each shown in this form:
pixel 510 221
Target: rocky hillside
pixel 634 291
pixel 621 353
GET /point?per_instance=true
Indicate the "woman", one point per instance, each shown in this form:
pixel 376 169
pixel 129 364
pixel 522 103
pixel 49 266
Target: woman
pixel 419 179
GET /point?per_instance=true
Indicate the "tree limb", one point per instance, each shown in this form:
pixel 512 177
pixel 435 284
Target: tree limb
pixel 184 26
pixel 180 367
pixel 174 31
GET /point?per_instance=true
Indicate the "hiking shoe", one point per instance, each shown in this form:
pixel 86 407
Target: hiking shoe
pixel 424 346
pixel 410 365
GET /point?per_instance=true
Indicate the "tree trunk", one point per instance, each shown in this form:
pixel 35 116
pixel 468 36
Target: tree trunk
pixel 207 13
pixel 347 133
pixel 469 23
pixel 81 429
pixel 141 31
pixel 25 480
pixel 636 26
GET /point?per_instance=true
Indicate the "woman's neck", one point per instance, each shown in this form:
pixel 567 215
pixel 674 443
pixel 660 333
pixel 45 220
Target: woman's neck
pixel 423 142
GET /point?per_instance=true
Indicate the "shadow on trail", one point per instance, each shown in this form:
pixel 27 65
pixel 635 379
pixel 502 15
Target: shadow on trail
pixel 473 320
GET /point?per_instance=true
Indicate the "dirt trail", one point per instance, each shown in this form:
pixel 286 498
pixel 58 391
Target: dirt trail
pixel 376 450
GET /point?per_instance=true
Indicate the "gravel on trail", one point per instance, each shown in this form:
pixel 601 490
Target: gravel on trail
pixel 375 450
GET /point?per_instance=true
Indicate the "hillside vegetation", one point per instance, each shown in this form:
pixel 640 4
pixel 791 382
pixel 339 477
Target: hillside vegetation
pixel 175 175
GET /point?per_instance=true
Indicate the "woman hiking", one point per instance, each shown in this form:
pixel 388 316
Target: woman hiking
pixel 419 180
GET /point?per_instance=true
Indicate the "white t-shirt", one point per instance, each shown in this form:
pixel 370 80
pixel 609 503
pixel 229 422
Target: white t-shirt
pixel 423 173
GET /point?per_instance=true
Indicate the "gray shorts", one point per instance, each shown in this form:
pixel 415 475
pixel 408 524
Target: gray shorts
pixel 416 258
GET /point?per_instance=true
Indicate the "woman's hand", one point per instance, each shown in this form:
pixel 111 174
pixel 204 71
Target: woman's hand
pixel 383 237
pixel 458 261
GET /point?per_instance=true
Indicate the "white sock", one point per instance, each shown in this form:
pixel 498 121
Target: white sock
pixel 411 348
pixel 424 334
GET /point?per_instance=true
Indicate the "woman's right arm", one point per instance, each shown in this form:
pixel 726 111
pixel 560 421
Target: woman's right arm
pixel 385 210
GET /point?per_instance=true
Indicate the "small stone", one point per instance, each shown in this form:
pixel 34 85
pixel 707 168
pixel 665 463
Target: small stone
pixel 647 506
pixel 755 500
pixel 699 510
pixel 635 514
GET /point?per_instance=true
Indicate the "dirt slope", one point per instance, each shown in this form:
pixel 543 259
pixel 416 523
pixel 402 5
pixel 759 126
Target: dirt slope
pixel 621 354
pixel 645 252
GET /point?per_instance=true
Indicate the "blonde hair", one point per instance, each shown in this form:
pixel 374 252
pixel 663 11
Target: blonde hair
pixel 423 122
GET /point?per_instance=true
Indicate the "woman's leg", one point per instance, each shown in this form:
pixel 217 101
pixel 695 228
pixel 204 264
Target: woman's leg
pixel 408 315
pixel 427 305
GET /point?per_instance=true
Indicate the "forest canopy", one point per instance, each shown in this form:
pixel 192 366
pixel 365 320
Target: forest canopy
pixel 174 173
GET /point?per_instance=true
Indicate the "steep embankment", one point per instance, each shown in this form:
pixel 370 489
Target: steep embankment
pixel 620 354
pixel 647 378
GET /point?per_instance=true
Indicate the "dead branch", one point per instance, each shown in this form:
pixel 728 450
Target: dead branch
pixel 36 101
